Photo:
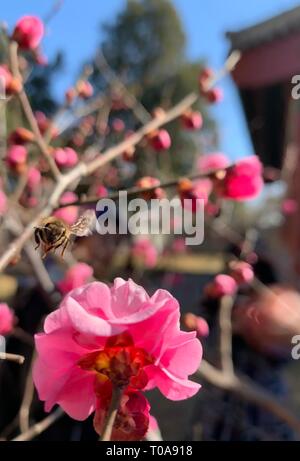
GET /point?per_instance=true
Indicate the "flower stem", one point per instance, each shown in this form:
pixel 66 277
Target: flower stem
pixel 111 415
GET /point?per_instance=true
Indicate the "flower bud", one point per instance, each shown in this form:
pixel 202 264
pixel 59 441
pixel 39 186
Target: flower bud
pixel 28 32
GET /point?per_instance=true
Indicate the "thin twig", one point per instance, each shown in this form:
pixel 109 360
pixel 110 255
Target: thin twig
pixel 22 96
pixel 40 427
pixel 12 357
pixel 111 416
pixel 81 170
pixel 136 191
pixel 112 78
pixel 16 228
pixel 225 312
pixel 249 391
pixel 24 412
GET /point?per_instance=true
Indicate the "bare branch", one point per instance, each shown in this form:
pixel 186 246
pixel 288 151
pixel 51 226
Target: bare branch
pixel 40 427
pixel 82 170
pixel 249 391
pixel 226 334
pixel 22 96
pixel 12 357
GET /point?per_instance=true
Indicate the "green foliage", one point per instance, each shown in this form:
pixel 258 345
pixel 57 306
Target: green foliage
pixel 145 46
pixel 39 85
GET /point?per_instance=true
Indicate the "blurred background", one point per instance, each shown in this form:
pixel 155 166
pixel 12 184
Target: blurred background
pixel 141 55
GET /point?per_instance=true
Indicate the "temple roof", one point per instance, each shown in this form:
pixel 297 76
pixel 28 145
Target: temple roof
pixel 266 31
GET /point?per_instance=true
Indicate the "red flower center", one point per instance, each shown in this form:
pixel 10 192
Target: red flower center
pixel 120 362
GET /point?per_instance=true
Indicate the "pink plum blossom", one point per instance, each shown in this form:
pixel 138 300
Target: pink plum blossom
pixel 70 213
pixel 144 250
pixel 132 420
pixel 243 181
pixel 103 336
pixel 28 32
pixel 75 277
pixel 7 319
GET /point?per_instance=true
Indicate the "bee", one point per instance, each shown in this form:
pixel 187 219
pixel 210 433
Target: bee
pixel 53 232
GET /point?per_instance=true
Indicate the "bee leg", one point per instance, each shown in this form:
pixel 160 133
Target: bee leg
pixel 64 247
pixel 37 238
pixel 46 250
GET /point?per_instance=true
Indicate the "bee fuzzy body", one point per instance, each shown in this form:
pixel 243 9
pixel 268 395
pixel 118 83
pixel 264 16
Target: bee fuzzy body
pixel 53 232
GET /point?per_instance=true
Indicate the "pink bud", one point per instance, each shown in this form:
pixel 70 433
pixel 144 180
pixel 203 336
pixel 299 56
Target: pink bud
pixel 160 140
pixel 16 155
pixel 65 157
pixel 118 125
pixel 21 136
pixel 60 157
pixel 41 59
pixel 241 271
pixel 222 285
pixel 33 177
pixel 72 157
pixel 145 251
pixel 6 319
pixel 214 95
pixel 192 194
pixel 84 89
pixel 70 213
pixel 28 32
pixel 196 323
pixel 101 191
pixel 75 277
pixel 289 206
pixel 192 120
pixel 148 182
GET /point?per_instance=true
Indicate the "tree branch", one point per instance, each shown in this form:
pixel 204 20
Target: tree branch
pixel 40 427
pixel 12 357
pixel 249 391
pixel 22 96
pixel 225 312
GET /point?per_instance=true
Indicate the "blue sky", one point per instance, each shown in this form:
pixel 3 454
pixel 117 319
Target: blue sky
pixel 76 31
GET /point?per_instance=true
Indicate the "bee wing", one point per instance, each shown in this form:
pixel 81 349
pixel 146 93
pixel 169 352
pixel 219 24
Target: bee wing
pixel 85 225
